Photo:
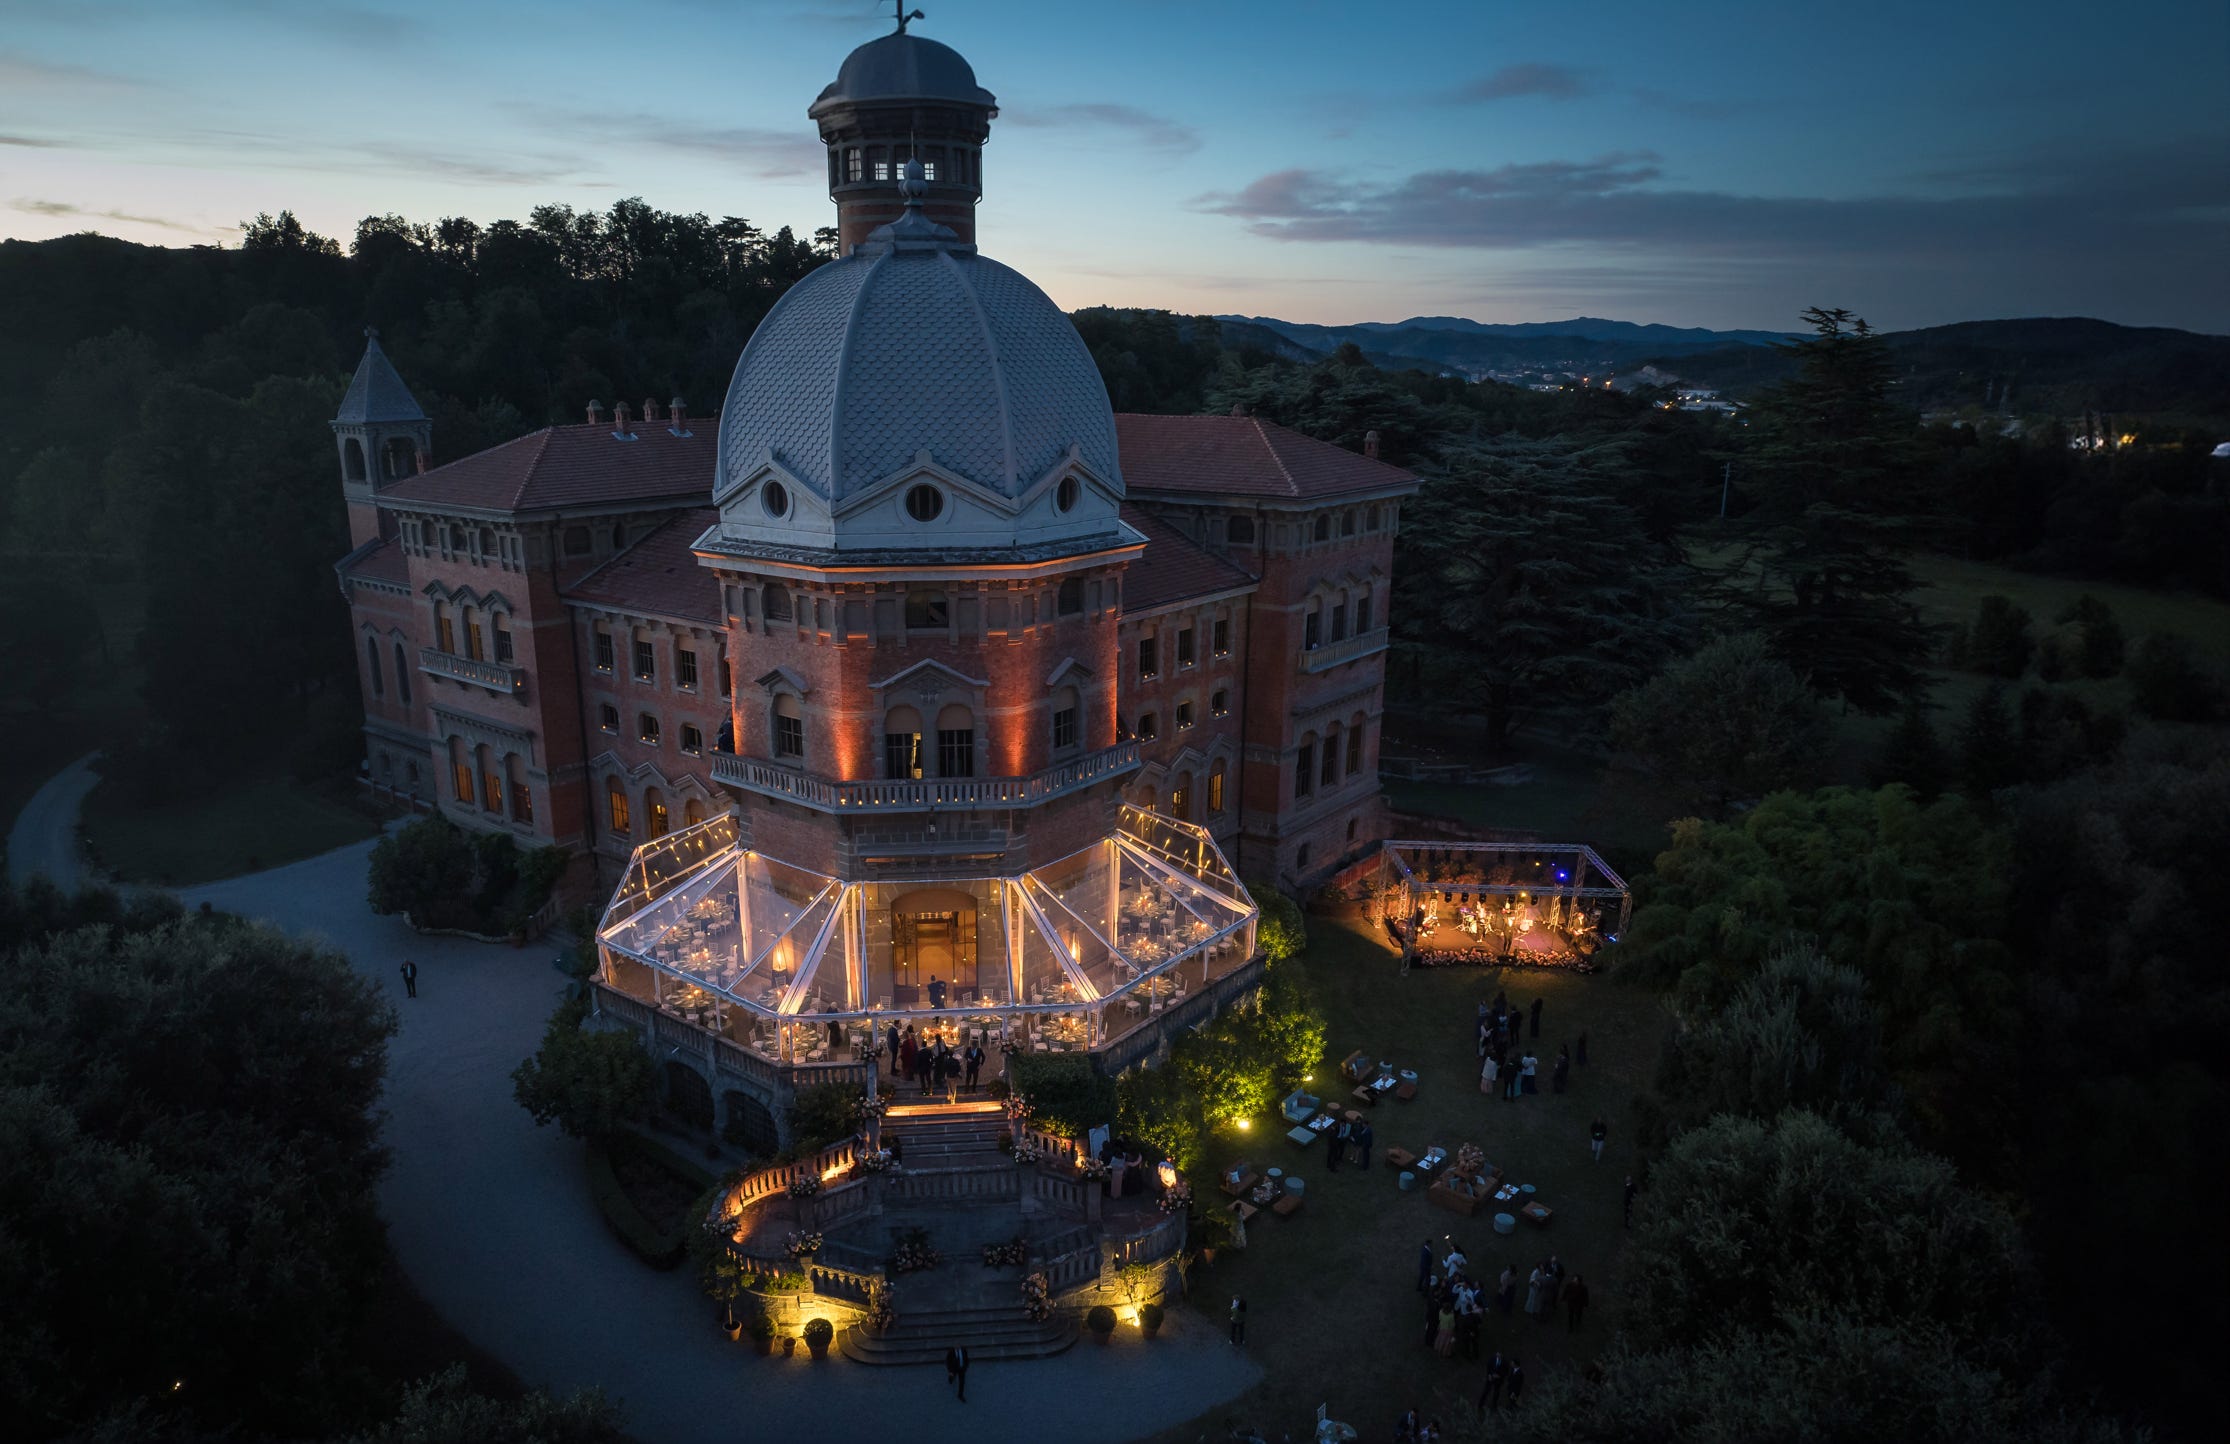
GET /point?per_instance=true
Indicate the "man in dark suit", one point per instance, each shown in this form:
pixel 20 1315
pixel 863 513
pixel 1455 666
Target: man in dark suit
pixel 1361 1139
pixel 936 993
pixel 956 1369
pixel 410 977
pixel 1490 1393
pixel 975 1064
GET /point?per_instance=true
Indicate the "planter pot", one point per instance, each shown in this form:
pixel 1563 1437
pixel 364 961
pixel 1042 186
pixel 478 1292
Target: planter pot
pixel 735 1330
pixel 764 1346
pixel 1106 1338
pixel 820 1350
pixel 789 1347
pixel 1149 1330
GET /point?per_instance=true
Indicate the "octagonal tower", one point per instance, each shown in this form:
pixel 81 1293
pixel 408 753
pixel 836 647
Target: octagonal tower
pixel 897 99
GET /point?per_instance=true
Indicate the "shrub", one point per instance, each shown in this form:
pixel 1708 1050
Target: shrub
pixel 660 1248
pixel 818 1332
pixel 1068 1096
pixel 1281 932
pixel 1101 1320
pixel 2099 644
pixel 2165 680
pixel 445 878
pixel 1151 1316
pixel 823 1114
pixel 761 1327
pixel 2001 642
pixel 591 1083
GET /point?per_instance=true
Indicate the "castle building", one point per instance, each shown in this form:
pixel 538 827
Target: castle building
pixel 915 678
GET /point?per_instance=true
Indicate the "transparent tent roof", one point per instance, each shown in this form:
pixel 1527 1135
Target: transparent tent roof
pixel 787 943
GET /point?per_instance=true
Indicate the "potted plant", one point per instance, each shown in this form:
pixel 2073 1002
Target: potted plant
pixel 1101 1321
pixel 818 1333
pixel 762 1334
pixel 1209 1232
pixel 1149 1319
pixel 789 1345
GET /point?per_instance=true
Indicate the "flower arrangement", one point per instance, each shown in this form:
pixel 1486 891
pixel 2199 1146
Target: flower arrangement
pixel 1037 1298
pixel 913 1253
pixel 1470 1158
pixel 1176 1196
pixel 803 1244
pixel 874 1107
pixel 805 1185
pixel 879 1161
pixel 882 1307
pixel 1001 1255
pixel 1091 1170
pixel 1027 1151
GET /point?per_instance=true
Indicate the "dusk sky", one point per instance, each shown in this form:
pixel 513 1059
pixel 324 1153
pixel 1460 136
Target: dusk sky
pixel 1712 164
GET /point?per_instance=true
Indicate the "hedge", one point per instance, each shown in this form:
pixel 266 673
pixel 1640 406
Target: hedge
pixel 654 1246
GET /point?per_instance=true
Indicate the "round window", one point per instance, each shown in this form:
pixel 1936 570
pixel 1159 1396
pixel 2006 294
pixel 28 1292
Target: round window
pixel 775 497
pixel 925 503
pixel 1065 495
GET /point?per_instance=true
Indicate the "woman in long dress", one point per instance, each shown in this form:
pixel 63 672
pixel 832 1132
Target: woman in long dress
pixel 1533 1292
pixel 1444 1342
pixel 1486 1077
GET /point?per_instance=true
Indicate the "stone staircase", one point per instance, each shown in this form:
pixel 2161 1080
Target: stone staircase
pixel 987 1333
pixel 945 1135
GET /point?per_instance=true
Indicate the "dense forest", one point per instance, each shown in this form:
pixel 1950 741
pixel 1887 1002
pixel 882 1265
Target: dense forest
pixel 2003 931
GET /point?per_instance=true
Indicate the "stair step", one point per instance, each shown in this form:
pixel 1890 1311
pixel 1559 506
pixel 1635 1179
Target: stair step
pixel 1035 1341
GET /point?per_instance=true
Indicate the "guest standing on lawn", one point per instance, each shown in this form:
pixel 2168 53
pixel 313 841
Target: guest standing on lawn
pixel 1533 1292
pixel 1487 1076
pixel 1596 1133
pixel 1561 1071
pixel 1527 1067
pixel 1362 1139
pixel 1335 1147
pixel 1490 1393
pixel 1517 1380
pixel 410 978
pixel 1238 1320
pixel 1509 1293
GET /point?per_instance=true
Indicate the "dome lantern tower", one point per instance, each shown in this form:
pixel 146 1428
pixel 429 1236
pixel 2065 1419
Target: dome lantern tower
pixel 898 98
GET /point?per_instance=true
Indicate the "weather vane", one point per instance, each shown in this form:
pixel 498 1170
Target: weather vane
pixel 903 18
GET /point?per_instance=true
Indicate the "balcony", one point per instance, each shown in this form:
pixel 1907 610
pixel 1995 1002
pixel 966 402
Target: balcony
pixel 498 677
pixel 929 794
pixel 1348 649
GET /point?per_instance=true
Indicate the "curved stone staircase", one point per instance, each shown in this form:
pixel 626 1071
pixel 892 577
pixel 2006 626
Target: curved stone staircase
pixel 988 1332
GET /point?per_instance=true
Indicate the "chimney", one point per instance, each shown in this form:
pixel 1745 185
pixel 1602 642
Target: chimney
pixel 1238 408
pixel 596 413
pixel 1370 445
pixel 678 412
pixel 650 409
pixel 620 415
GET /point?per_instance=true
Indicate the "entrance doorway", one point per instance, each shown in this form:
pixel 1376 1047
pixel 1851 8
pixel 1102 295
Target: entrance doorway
pixel 933 938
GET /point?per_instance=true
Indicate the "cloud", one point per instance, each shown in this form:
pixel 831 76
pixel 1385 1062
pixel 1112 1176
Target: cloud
pixel 1152 131
pixel 1528 78
pixel 510 170
pixel 1616 200
pixel 33 141
pixel 763 153
pixel 64 210
pixel 20 72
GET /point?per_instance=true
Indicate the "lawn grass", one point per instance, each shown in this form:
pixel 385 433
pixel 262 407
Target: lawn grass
pixel 1950 590
pixel 252 824
pixel 1570 798
pixel 1333 1315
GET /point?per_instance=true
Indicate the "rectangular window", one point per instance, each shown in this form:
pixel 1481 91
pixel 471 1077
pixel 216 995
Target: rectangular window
pixel 1354 750
pixel 503 643
pixel 607 717
pixel 1149 658
pixel 618 800
pixel 464 782
pixel 1064 729
pixel 727 683
pixel 902 755
pixel 491 792
pixel 371 656
pixel 956 752
pixel 1339 621
pixel 1149 727
pixel 603 650
pixel 1215 790
pixel 789 736
pixel 1362 615
pixel 522 803
pixel 685 668
pixel 1184 715
pixel 852 166
pixel 692 740
pixel 1312 631
pixel 1304 770
pixel 1220 637
pixel 402 675
pixel 646 728
pixel 646 661
pixel 1219 703
pixel 882 170
pixel 472 641
pixel 445 635
pixel 1331 772
pixel 1184 647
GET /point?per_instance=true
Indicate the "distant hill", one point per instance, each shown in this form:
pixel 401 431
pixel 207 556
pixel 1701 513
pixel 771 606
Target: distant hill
pixel 2056 365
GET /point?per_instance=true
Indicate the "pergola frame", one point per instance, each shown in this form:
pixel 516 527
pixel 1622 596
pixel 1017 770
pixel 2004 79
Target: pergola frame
pixel 1576 858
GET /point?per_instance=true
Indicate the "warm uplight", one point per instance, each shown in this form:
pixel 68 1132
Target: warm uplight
pixel 1246 1123
pixel 830 1174
pixel 1167 1172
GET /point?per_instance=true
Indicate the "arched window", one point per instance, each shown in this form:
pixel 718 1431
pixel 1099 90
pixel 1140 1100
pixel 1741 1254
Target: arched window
pixel 1355 746
pixel 1067 734
pixel 774 602
pixel 1324 527
pixel 522 800
pixel 445 630
pixel 902 760
pixel 491 782
pixel 402 457
pixel 1339 617
pixel 654 808
pixel 460 771
pixel 457 539
pixel 1240 529
pixel 1147 798
pixel 928 611
pixel 956 741
pixel 615 804
pixel 402 676
pixel 692 812
pixel 371 656
pixel 1331 772
pixel 1304 767
pixel 503 639
pixel 1180 798
pixel 1071 603
pixel 1215 789
pixel 789 727
pixel 473 648
pixel 352 459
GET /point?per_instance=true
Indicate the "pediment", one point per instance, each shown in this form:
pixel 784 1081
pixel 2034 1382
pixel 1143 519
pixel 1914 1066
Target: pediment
pixel 928 673
pixel 765 469
pixel 782 677
pixel 1071 671
pixel 924 467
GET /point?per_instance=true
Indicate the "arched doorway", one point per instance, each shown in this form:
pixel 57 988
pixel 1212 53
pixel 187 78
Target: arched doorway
pixel 688 1095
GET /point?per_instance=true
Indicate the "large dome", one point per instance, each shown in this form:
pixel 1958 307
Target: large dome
pixel 903 66
pixel 915 359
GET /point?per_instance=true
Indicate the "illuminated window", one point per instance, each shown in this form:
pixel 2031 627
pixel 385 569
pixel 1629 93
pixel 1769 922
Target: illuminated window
pixel 491 791
pixel 1149 726
pixel 1184 647
pixel 1149 658
pixel 603 650
pixel 1219 703
pixel 902 744
pixel 616 803
pixel 1184 715
pixel 692 739
pixel 607 717
pixel 1215 788
pixel 522 803
pixel 646 661
pixel 658 821
pixel 463 777
pixel 646 728
pixel 956 742
pixel 472 638
pixel 445 631
pixel 685 668
pixel 1220 637
pixel 789 727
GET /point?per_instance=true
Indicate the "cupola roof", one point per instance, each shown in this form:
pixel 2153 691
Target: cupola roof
pixel 376 393
pixel 903 66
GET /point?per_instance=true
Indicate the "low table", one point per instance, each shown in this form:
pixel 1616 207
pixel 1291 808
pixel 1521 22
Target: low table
pixel 1399 1158
pixel 1246 1181
pixel 1365 1095
pixel 1303 1136
pixel 1539 1213
pixel 1287 1206
pixel 1405 1091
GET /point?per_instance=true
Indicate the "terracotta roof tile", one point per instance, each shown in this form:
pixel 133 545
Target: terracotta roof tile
pixel 1174 567
pixel 1243 456
pixel 379 561
pixel 568 466
pixel 659 575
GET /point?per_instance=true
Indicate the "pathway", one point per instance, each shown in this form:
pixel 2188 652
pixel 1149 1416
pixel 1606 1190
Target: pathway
pixel 43 837
pixel 490 1218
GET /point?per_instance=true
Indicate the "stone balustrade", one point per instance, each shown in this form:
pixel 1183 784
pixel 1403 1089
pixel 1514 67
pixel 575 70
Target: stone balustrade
pixel 1328 655
pixel 499 677
pixel 926 794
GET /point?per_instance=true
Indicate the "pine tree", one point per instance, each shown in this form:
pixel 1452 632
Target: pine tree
pixel 1912 753
pixel 1836 497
